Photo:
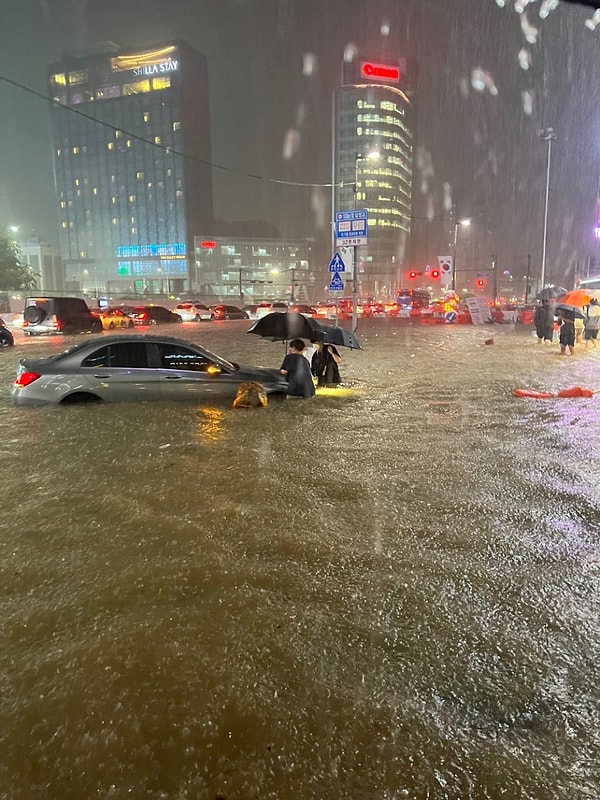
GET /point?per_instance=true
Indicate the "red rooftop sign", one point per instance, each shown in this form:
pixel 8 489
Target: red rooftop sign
pixel 381 72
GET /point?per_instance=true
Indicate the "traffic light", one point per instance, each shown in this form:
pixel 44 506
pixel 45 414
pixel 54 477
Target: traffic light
pixel 412 274
pixel 480 282
pixel 434 274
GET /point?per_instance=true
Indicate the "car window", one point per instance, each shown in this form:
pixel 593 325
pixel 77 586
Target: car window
pixel 121 354
pixel 173 356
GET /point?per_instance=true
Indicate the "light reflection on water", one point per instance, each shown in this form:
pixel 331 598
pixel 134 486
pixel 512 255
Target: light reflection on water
pixel 390 593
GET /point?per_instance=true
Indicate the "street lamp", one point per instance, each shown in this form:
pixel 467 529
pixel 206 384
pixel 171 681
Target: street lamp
pixel 372 155
pixel 464 223
pixel 546 135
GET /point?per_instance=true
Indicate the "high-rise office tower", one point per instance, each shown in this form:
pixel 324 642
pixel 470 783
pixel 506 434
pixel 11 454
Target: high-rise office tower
pixel 373 160
pixel 131 138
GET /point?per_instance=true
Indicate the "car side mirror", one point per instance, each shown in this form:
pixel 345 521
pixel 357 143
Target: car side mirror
pixel 213 370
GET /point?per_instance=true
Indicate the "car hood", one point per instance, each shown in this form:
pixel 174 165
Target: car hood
pixel 262 375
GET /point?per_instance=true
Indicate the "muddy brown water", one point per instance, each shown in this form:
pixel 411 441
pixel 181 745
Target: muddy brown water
pixel 391 591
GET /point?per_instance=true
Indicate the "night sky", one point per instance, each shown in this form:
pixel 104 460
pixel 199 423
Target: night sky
pixel 273 65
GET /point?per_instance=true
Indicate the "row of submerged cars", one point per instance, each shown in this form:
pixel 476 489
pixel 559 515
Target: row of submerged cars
pixel 129 366
pixel 43 315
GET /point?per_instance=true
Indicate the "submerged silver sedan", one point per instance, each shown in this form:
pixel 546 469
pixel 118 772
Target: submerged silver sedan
pixel 131 367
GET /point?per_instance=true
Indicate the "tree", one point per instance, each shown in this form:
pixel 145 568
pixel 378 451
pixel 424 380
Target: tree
pixel 14 274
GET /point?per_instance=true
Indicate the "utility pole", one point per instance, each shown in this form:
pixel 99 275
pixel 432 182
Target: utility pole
pixel 240 288
pixel 494 279
pixel 546 135
pixel 292 295
pixel 528 273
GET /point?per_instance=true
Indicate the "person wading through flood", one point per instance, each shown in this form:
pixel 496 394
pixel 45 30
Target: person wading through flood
pixel 544 322
pixel 325 363
pixel 297 371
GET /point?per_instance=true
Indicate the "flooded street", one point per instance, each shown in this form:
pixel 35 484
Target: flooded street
pixel 389 592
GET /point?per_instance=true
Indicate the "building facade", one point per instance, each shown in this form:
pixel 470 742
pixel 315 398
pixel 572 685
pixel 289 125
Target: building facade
pixel 250 270
pixel 131 138
pixel 373 167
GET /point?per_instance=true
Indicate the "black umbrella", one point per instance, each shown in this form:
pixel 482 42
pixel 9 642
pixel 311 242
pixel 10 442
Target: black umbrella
pixel 280 327
pixel 569 312
pixel 551 293
pixel 341 337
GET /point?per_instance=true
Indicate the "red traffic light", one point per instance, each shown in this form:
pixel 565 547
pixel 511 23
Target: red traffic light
pixel 412 274
pixel 480 283
pixel 435 273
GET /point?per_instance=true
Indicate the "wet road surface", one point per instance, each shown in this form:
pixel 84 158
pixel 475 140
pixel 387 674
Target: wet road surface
pixel 391 591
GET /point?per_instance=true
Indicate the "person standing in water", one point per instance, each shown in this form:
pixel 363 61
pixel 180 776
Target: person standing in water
pixel 297 371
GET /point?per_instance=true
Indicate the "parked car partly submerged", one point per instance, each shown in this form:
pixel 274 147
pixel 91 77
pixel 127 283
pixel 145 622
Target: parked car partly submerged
pixel 191 311
pixel 134 367
pixel 228 312
pixel 154 315
pixel 6 337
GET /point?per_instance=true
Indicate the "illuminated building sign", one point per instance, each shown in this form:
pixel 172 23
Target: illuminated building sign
pixel 148 62
pixel 157 69
pixel 208 245
pixel 380 72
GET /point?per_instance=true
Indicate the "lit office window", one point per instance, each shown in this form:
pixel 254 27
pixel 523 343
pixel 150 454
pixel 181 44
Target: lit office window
pixel 76 181
pixel 169 173
pixel 146 116
pixel 75 151
pixel 95 190
pixel 139 176
pixel 157 140
pixel 114 221
pixel 132 220
pixel 129 143
pixel 63 224
pixel 150 184
pixel 82 254
pixel 140 87
pixel 59 152
pixel 63 203
pixel 111 146
pixel 79 76
pixel 59 79
pixel 131 198
pixel 160 83
pixel 113 200
pixel 133 230
pixel 118 134
pixel 177 126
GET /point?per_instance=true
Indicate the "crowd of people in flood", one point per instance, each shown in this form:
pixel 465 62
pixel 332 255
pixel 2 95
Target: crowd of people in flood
pixel 572 328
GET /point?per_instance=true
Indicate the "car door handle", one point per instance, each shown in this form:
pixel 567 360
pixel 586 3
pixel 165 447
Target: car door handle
pixel 102 377
pixel 173 377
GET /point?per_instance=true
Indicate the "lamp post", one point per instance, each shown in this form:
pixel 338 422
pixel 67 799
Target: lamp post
pixel 457 225
pixel 372 155
pixel 546 135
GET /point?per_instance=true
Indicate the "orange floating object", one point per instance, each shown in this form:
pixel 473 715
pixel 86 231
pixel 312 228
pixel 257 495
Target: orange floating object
pixel 574 391
pixel 535 395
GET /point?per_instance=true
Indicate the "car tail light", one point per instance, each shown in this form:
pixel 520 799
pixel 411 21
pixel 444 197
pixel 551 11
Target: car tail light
pixel 142 316
pixel 25 324
pixel 25 378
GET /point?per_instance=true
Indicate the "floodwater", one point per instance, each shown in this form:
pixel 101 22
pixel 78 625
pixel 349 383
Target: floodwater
pixel 387 592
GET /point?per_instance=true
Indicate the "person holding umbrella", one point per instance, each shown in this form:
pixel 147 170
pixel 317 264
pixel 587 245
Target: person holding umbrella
pixel 325 363
pixel 567 331
pixel 544 321
pixel 297 371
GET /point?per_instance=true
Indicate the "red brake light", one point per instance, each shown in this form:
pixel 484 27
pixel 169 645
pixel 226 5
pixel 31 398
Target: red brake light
pixel 142 316
pixel 26 378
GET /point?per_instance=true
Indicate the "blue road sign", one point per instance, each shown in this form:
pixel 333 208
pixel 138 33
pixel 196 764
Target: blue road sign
pixel 351 227
pixel 337 284
pixel 450 316
pixel 337 264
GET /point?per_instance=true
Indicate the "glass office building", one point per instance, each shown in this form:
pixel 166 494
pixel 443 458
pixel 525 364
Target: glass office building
pixel 249 270
pixel 131 138
pixel 373 160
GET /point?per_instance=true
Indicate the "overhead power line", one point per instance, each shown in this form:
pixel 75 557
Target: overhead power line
pixel 165 148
